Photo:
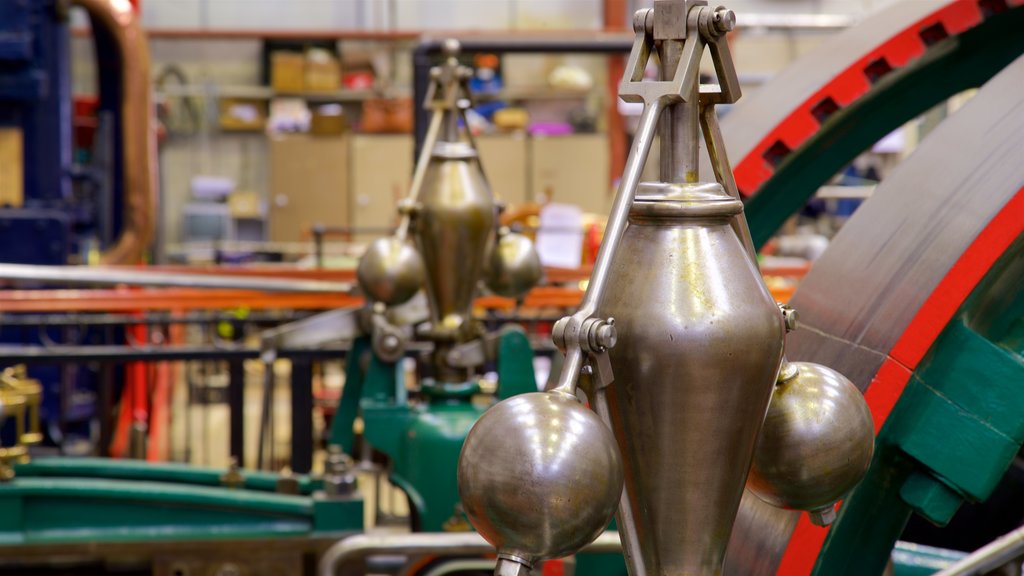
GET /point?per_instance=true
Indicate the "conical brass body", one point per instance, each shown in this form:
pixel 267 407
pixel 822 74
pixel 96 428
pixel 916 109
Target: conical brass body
pixel 454 221
pixel 699 349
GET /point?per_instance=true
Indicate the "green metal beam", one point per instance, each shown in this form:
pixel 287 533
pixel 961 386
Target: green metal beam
pixel 174 473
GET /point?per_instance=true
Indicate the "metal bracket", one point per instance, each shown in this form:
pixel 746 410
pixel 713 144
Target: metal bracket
pixel 315 331
pixel 388 341
pixel 728 88
pixel 449 85
pixel 669 21
pixel 594 337
pixel 447 94
pixel 388 328
pixel 476 352
pixel 599 368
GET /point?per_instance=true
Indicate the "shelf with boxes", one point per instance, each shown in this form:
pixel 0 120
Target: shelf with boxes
pixel 353 175
pixel 248 105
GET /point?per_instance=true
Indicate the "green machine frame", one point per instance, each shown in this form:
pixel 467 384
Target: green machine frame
pixel 947 440
pixel 949 67
pixel 423 440
pixel 66 500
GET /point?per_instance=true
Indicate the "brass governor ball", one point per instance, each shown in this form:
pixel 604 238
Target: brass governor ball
pixel 391 271
pixel 816 443
pixel 540 476
pixel 513 266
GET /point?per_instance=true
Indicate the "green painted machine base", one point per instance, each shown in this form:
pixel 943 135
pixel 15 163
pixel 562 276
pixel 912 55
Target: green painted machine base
pixel 68 500
pixel 169 472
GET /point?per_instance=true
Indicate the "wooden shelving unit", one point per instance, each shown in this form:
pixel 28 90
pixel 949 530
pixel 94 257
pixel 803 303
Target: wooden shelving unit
pixel 266 92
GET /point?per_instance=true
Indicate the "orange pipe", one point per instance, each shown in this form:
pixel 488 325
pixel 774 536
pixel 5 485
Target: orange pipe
pixel 170 299
pixel 615 19
pixel 42 301
pixel 160 413
pixel 120 20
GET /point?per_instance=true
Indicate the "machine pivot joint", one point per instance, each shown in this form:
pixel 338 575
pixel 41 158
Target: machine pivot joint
pixel 592 336
pixel 790 316
pixel 339 474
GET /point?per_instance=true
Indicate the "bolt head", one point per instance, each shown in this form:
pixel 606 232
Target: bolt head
pixel 823 517
pixel 790 316
pixel 725 20
pixel 607 336
pixel 558 332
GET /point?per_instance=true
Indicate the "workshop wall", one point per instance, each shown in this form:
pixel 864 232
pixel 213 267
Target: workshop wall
pixel 203 150
pixel 373 14
pixel 435 14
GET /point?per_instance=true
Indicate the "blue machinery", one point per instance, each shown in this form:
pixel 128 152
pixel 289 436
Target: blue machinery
pixel 57 207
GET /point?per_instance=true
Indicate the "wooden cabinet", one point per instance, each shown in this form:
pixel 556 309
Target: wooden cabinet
pixel 571 170
pixel 357 180
pixel 504 159
pixel 381 174
pixel 309 184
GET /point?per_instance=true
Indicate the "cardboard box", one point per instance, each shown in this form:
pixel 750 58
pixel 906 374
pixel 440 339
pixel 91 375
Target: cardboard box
pixel 245 204
pixel 387 116
pixel 12 168
pixel 328 120
pixel 323 71
pixel 288 71
pixel 381 175
pixel 242 114
pixel 503 157
pixel 571 170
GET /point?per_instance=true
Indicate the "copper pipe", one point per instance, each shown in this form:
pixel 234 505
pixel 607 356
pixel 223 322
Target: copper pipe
pixel 615 19
pixel 120 20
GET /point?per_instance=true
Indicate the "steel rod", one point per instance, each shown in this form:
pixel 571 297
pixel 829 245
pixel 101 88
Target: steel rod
pixel 421 169
pixel 680 124
pixel 34 354
pixel 88 275
pixel 617 221
pixel 989 557
pixel 723 173
pixel 362 546
pixel 624 517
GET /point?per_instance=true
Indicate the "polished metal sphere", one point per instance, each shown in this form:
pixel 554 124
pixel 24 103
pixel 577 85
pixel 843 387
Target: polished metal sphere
pixel 513 266
pixel 390 271
pixel 816 443
pixel 540 476
pixel 451 47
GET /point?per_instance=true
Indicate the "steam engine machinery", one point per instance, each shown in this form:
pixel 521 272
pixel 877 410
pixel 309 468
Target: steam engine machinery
pixel 678 349
pixel 448 241
pixel 695 426
pixel 450 221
